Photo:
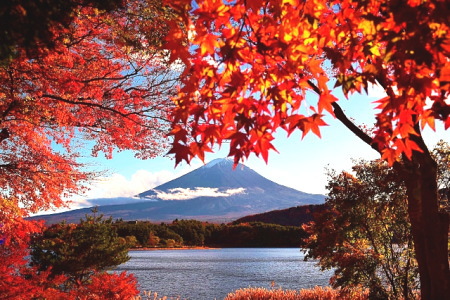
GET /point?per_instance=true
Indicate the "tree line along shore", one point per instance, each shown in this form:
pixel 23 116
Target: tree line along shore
pixel 193 234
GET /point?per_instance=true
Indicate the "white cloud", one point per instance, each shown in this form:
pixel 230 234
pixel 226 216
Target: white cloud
pixel 118 185
pixel 118 189
pixel 186 194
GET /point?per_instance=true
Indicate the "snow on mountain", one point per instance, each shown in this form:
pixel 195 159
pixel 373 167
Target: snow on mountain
pixel 215 192
pixel 219 161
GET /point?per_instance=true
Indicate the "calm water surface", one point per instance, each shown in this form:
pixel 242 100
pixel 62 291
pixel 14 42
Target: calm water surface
pixel 213 273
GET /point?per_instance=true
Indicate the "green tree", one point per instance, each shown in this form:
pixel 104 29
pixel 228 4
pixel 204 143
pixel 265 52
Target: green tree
pixel 80 250
pixel 140 230
pixel 192 231
pixel 366 234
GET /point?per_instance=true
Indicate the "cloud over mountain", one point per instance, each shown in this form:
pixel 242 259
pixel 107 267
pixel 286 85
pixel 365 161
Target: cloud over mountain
pixel 214 192
pixel 188 193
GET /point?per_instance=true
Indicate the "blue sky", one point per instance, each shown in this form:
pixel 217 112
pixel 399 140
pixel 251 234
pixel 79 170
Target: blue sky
pixel 300 164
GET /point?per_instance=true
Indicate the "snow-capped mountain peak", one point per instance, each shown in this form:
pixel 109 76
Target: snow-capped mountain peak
pixel 219 161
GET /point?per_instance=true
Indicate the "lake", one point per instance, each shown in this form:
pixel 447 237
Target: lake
pixel 213 273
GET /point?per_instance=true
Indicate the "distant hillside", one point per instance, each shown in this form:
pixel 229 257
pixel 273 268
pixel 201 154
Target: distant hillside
pixel 215 192
pixel 294 216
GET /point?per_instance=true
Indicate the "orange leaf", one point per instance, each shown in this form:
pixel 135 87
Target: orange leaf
pixel 325 101
pixel 312 124
pixel 208 44
pixel 389 155
pixel 427 119
pixel 315 66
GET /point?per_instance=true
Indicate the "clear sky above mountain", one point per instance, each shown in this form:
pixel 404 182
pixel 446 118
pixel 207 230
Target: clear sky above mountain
pixel 299 164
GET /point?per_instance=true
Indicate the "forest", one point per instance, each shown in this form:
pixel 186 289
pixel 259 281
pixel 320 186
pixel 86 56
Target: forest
pixel 181 233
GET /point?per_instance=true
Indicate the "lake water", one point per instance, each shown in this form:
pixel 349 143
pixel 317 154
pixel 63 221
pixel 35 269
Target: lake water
pixel 213 273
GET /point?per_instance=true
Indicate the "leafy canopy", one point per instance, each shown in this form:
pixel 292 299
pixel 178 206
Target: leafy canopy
pixel 251 64
pixel 71 72
pixel 29 24
pixel 105 84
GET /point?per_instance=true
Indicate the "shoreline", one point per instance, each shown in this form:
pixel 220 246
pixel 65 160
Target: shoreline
pixel 174 248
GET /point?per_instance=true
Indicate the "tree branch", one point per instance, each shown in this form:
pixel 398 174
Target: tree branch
pixel 4 134
pixel 340 115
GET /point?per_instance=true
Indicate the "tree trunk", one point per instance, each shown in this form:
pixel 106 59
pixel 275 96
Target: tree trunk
pixel 429 226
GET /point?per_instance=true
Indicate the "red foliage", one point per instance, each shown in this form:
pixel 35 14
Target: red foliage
pixel 253 67
pixel 251 64
pixel 98 84
pixel 108 286
pixel 18 280
pixel 305 294
pixel 106 84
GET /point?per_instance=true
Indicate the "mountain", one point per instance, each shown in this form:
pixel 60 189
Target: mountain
pixel 293 216
pixel 214 192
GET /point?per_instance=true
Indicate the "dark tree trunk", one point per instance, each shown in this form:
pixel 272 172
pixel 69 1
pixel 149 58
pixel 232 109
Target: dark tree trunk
pixel 429 226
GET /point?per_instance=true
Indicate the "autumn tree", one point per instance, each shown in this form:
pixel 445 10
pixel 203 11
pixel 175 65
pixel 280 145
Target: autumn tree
pixel 148 234
pixel 105 82
pixel 16 279
pixel 140 230
pixel 29 24
pixel 365 234
pixel 94 79
pixel 250 65
pixel 20 280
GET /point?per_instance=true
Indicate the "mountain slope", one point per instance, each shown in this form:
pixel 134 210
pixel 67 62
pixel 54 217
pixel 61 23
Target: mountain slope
pixel 293 216
pixel 214 192
pixel 219 173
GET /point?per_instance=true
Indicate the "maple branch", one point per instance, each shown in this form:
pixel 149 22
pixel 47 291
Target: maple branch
pixel 118 78
pixel 83 103
pixel 114 111
pixel 382 81
pixel 4 134
pixel 9 166
pixel 340 115
pixel 10 107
